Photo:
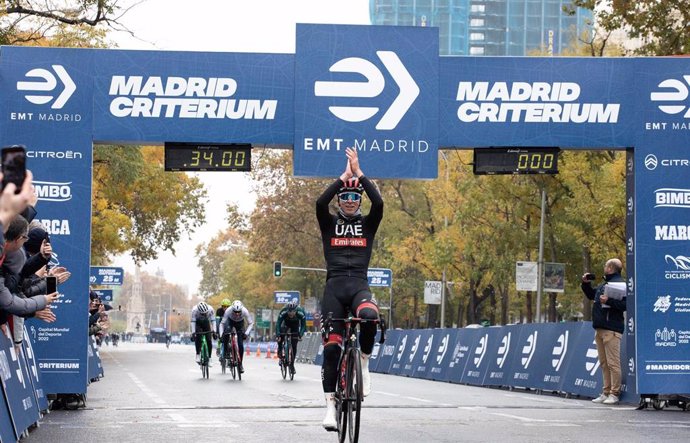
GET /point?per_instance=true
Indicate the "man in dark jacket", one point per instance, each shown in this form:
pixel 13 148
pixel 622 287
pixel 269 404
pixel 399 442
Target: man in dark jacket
pixel 608 320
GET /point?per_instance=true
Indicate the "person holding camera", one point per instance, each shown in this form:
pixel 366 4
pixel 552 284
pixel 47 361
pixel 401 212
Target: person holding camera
pixel 608 321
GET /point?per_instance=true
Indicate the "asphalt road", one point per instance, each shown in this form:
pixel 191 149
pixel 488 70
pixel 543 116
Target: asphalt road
pixel 153 394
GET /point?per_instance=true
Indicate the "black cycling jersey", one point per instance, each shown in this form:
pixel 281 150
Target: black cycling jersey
pixel 347 241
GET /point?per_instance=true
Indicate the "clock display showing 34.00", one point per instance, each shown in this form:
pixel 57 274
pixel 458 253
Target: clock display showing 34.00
pixel 198 157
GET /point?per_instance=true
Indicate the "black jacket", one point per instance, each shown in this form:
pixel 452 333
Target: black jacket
pixel 611 317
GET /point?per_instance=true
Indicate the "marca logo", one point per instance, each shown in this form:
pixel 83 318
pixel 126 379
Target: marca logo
pixel 180 97
pixel 427 348
pixel 56 226
pixel 560 350
pixel 47 83
pixel 53 191
pixel 677 92
pixel 481 350
pixel 671 232
pixel 537 102
pixel 672 198
pixel 503 350
pixel 373 87
pixel 529 348
pixel 443 347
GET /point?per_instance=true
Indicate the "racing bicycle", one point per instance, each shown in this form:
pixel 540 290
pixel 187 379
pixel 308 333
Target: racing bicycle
pixel 285 363
pixel 349 390
pixel 231 355
pixel 205 355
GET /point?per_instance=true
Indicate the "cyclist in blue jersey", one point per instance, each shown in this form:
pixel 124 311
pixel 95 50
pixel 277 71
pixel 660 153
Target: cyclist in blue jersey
pixel 291 318
pixel 348 238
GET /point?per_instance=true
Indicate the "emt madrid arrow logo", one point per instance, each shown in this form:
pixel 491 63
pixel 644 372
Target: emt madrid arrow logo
pixel 373 87
pixel 45 83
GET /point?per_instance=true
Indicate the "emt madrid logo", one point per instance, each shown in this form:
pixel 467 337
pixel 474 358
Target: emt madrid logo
pixel 373 87
pixel 673 97
pixel 44 88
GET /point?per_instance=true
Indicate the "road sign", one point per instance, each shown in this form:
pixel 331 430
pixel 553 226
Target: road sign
pixel 380 277
pixel 108 276
pixel 432 292
pixel 526 275
pixel 284 297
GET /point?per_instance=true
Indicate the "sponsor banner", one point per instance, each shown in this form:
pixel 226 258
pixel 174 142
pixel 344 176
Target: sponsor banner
pixel 478 361
pixel 380 277
pixel 414 348
pixel 466 346
pixel 536 101
pixel 370 88
pixel 630 366
pixel 499 356
pixel 106 276
pixel 546 368
pixel 47 106
pixel 7 431
pixel 285 297
pixel 105 295
pixel 20 394
pixel 147 96
pixel 373 357
pixel 35 373
pixel 387 352
pixel 526 276
pixel 441 354
pixel 659 321
pixel 402 351
pixel 583 375
pixel 421 360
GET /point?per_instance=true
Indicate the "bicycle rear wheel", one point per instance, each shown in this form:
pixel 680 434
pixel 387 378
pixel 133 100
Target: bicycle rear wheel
pixel 204 358
pixel 283 363
pixel 236 350
pixel 341 400
pixel 354 394
pixel 223 362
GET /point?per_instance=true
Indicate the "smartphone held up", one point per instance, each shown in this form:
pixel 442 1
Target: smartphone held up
pixel 13 166
pixel 51 284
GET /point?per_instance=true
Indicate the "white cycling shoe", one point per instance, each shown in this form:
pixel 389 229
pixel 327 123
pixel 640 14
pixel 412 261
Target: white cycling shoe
pixel 329 422
pixel 366 377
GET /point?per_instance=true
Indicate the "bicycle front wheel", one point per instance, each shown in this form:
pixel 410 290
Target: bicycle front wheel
pixel 236 351
pixel 354 394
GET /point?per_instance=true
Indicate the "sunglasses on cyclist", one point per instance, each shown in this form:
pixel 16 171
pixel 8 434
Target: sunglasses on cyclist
pixel 350 196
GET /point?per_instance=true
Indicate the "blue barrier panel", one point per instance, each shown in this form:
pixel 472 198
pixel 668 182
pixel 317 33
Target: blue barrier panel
pixel 419 353
pixel 550 363
pixel 500 353
pixel 463 351
pixel 387 353
pixel 478 361
pixel 583 376
pixel 7 432
pixel 35 373
pixel 402 349
pixel 20 396
pixel 374 357
pixel 442 353
pixel 520 369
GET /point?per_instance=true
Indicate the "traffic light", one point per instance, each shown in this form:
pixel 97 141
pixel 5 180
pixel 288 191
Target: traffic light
pixel 277 269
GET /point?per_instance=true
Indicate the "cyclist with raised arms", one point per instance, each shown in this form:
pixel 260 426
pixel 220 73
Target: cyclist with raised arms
pixel 291 318
pixel 202 323
pixel 224 305
pixel 235 317
pixel 348 237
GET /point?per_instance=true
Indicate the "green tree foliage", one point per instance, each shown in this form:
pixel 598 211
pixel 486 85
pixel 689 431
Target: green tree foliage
pixel 661 27
pixel 137 206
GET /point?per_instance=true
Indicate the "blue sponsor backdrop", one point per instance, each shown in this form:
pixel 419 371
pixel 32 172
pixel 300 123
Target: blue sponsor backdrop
pixel 145 96
pixel 371 88
pixel 387 352
pixel 500 355
pixel 55 125
pixel 467 349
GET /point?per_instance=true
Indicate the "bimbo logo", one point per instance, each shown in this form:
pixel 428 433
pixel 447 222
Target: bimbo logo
pixel 373 87
pixel 676 92
pixel 672 198
pixel 47 83
pixel 53 191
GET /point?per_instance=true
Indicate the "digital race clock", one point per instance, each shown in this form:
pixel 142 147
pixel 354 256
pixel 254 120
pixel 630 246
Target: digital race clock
pixel 211 157
pixel 515 161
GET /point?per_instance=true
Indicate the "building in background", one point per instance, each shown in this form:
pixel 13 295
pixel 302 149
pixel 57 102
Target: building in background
pixel 489 27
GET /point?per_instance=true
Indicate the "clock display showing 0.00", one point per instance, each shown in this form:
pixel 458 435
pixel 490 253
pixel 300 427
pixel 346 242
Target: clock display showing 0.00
pixel 516 161
pixel 189 157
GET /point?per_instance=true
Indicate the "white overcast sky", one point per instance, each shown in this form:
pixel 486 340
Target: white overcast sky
pixel 222 26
